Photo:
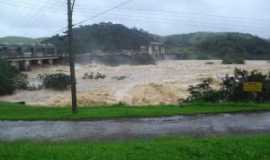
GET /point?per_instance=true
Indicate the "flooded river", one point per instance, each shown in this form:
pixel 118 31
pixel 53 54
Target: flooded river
pixel 164 83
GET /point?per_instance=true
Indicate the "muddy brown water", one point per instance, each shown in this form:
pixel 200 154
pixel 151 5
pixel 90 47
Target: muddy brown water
pixel 201 125
pixel 164 83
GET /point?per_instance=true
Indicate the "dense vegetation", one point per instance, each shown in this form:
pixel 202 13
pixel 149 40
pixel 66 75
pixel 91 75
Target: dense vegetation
pixel 203 45
pixel 18 40
pixel 7 76
pixel 254 147
pixel 232 88
pixel 233 60
pixel 10 79
pixel 106 37
pixel 58 81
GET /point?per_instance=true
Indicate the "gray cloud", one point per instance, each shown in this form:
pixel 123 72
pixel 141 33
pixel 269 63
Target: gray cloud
pixel 45 17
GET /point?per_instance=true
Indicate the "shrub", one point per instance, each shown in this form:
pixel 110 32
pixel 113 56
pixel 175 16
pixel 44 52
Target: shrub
pixel 204 92
pixel 7 78
pixel 11 79
pixel 92 76
pixel 210 63
pixel 232 88
pixel 119 78
pixel 21 81
pixel 57 81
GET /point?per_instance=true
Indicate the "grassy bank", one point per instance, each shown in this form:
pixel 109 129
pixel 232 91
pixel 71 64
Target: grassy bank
pixel 9 111
pixel 219 148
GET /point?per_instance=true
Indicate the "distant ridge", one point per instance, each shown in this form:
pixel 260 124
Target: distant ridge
pixel 19 40
pixel 112 38
pixel 210 45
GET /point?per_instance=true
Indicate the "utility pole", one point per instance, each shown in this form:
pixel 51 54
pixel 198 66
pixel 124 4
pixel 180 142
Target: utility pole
pixel 71 56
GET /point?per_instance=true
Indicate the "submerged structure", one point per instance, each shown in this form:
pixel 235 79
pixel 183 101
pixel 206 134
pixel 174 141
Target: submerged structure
pixel 154 49
pixel 144 55
pixel 24 56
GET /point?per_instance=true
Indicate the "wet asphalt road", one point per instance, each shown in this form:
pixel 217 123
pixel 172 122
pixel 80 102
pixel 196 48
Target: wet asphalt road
pixel 146 127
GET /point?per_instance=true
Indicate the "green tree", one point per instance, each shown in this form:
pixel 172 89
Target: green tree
pixel 8 75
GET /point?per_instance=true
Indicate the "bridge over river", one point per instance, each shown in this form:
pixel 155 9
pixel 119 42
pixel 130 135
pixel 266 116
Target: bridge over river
pixel 24 56
pixel 25 63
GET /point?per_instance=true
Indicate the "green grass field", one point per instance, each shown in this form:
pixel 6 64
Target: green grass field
pixel 215 148
pixel 9 111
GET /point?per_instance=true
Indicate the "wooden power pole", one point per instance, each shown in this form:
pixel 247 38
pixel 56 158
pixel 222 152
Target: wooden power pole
pixel 71 56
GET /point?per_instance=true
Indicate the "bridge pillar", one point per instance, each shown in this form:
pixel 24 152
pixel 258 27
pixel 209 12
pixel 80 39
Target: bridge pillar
pixel 40 62
pixel 27 65
pixel 163 50
pixel 150 50
pixel 51 61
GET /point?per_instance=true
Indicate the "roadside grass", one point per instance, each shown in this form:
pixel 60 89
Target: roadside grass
pixel 173 148
pixel 13 112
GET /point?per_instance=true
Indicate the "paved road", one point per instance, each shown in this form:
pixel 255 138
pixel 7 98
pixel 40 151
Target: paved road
pixel 146 127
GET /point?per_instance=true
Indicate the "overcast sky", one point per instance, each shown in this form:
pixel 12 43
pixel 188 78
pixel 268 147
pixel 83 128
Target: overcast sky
pixel 40 18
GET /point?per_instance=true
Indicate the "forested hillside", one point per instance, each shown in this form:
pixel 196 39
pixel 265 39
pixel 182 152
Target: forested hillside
pixel 205 45
pixel 105 36
pixel 18 40
pixel 201 45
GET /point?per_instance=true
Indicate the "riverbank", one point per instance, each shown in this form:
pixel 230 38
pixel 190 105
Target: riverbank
pixel 14 112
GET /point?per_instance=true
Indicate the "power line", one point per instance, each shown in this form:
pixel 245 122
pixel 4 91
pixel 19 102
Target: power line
pixel 98 14
pixel 38 12
pixel 226 22
pixel 190 14
pixel 165 16
pixel 104 12
pixel 185 22
pixel 187 19
pixel 200 14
